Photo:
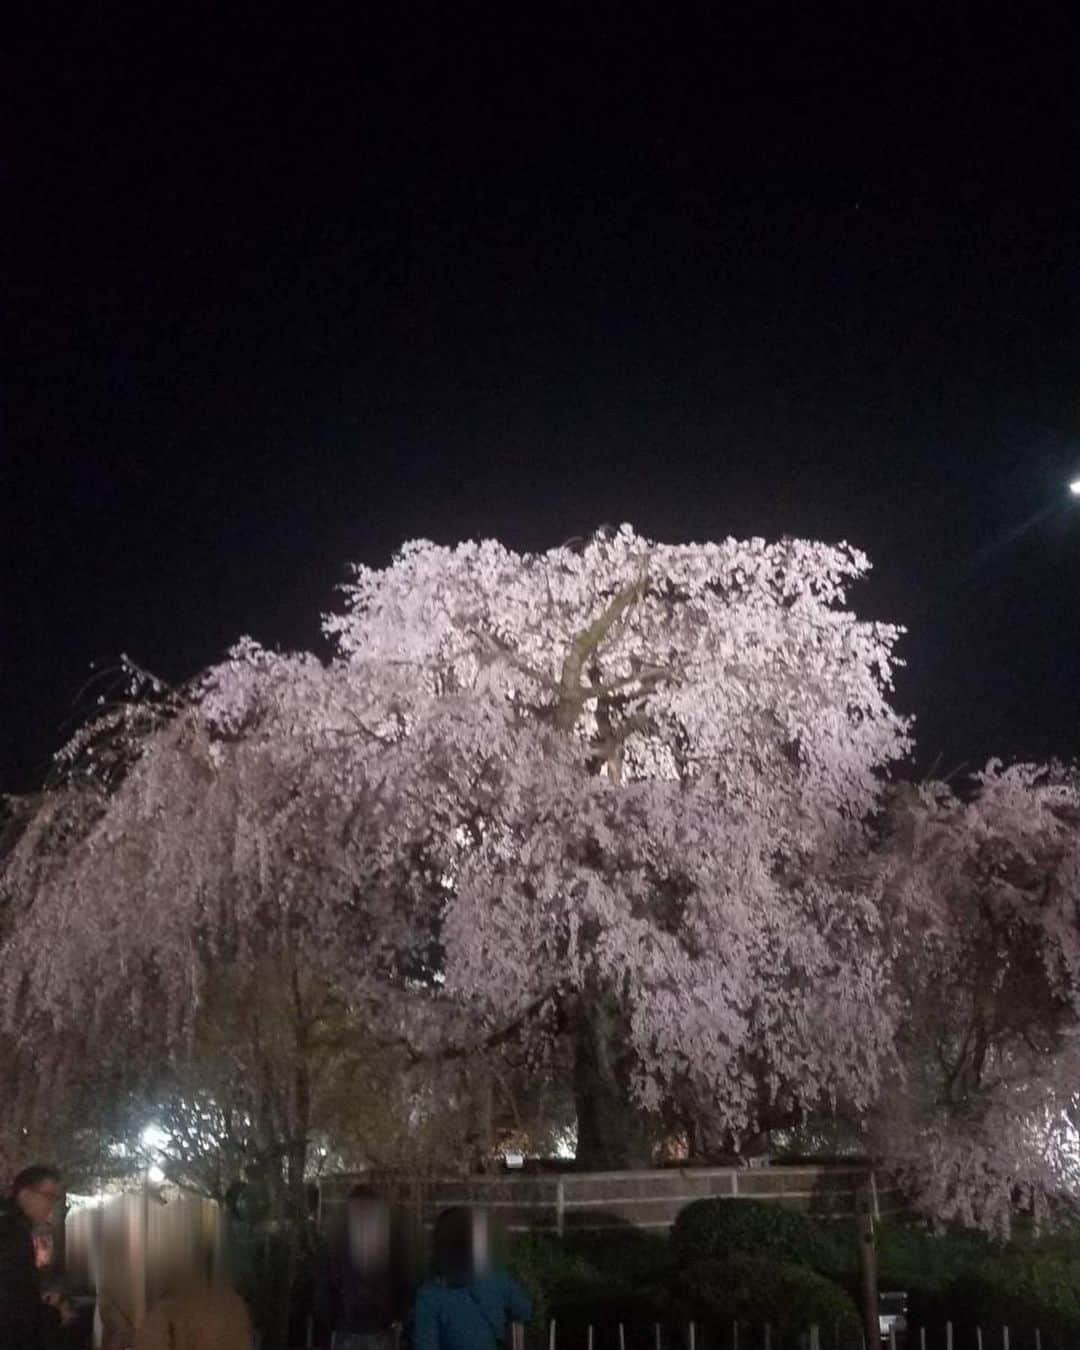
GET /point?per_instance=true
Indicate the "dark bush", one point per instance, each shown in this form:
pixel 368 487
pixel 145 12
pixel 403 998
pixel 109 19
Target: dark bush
pixel 754 1263
pixel 723 1229
pixel 625 1256
pixel 910 1256
pixel 758 1291
pixel 550 1273
pixel 1025 1292
pixel 606 1307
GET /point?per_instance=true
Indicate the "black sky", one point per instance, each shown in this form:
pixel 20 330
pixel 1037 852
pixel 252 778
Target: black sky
pixel 283 296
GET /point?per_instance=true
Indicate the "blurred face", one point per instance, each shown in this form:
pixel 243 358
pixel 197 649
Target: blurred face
pixel 38 1202
pixel 368 1237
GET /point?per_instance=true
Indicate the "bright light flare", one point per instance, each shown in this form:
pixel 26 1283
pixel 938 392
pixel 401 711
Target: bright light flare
pixel 1074 487
pixel 155 1175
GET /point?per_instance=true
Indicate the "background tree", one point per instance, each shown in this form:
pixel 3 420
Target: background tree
pixel 989 961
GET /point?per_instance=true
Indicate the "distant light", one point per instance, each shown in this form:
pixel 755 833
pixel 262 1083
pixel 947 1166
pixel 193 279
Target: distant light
pixel 154 1137
pixel 515 1160
pixel 85 1201
pixel 155 1175
pixel 1074 487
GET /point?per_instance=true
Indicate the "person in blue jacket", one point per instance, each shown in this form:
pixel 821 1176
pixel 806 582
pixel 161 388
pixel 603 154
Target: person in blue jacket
pixel 468 1304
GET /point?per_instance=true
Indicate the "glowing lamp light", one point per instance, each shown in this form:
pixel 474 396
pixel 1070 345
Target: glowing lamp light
pixel 154 1137
pixel 1074 487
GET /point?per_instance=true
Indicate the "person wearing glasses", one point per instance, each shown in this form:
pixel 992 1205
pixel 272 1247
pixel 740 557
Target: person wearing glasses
pixel 35 1193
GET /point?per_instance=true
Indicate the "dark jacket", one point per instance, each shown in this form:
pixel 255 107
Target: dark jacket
pixel 348 1303
pixel 21 1322
pixel 472 1316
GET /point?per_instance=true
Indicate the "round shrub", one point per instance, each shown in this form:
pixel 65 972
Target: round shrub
pixel 789 1297
pixel 723 1229
pixel 625 1256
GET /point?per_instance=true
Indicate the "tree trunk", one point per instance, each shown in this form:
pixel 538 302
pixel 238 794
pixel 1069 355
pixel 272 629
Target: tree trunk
pixel 613 1131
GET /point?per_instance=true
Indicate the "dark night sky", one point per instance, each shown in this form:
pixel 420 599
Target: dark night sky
pixel 285 296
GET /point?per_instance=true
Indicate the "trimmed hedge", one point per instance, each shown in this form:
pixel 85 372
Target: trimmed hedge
pixel 551 1274
pixel 1025 1292
pixel 759 1290
pixel 740 1260
pixel 722 1229
pixel 625 1256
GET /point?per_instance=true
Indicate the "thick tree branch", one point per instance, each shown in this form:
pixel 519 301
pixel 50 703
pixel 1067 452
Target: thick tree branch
pixel 489 1042
pixel 572 694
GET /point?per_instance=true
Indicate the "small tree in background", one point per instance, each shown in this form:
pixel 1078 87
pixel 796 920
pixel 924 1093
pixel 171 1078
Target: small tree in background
pixel 985 1116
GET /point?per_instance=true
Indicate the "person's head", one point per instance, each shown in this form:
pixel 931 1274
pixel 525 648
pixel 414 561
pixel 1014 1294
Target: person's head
pixel 460 1244
pixel 367 1232
pixel 37 1191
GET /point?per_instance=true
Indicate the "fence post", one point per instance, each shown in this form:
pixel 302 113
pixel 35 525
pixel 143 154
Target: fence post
pixel 815 1339
pixel 560 1207
pixel 734 1336
pixel 768 1336
pixel 622 1337
pixel 868 1262
pixel 892 1338
pixel 693 1339
pixel 657 1336
pixel 948 1336
pixel 1004 1338
pixel 551 1335
pixel 978 1337
pixel 590 1337
pixel 922 1338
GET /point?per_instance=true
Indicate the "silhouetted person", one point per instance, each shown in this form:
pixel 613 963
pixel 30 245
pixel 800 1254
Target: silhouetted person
pixel 34 1195
pixel 357 1295
pixel 468 1304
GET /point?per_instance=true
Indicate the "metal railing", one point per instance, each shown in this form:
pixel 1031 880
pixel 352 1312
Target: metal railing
pixel 762 1336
